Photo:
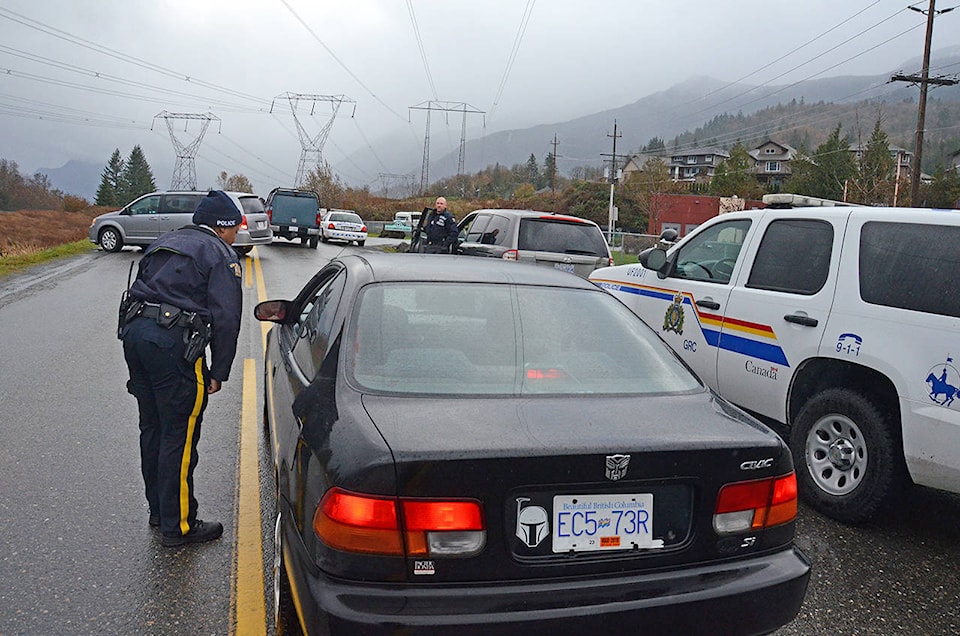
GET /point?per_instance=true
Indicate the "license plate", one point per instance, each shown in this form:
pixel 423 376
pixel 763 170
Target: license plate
pixel 261 225
pixel 564 267
pixel 584 523
pixel 294 228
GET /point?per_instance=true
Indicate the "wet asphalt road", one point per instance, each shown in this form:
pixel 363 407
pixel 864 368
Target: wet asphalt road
pixel 77 556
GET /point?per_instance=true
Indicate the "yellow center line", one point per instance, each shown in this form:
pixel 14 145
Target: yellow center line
pixel 249 605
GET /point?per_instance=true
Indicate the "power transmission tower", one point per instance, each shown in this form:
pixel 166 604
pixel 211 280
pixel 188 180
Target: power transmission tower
pixel 185 168
pixel 312 147
pixel 924 80
pixel 449 107
pixel 405 181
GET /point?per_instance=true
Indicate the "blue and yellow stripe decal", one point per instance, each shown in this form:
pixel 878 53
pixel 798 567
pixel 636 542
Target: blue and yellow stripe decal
pixel 739 336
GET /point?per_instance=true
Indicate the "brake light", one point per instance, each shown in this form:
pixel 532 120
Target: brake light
pixel 363 229
pixel 509 255
pixel 369 524
pixel 331 226
pixel 756 504
pixel 270 215
pixel 319 218
pixel 545 374
pixel 243 221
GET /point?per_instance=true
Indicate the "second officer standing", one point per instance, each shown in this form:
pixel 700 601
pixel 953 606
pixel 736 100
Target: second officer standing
pixel 187 293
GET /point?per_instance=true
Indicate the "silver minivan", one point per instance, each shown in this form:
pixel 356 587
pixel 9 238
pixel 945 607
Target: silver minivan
pixel 567 243
pixel 147 217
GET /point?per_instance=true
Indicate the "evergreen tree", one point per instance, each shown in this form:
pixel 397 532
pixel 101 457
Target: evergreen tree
pixel 137 176
pixel 550 170
pixel 532 171
pixel 111 181
pixel 874 184
pixel 825 175
pixel 734 176
pixel 944 189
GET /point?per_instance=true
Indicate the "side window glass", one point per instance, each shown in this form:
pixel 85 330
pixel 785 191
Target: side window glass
pixel 712 254
pixel 911 266
pixel 179 203
pixel 315 324
pixel 148 205
pixel 473 231
pixel 793 257
pixel 496 231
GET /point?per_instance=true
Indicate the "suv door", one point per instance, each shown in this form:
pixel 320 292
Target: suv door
pixel 140 220
pixel 699 281
pixel 776 313
pixel 484 234
pixel 176 210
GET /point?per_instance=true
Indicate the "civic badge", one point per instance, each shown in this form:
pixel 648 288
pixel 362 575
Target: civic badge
pixel 532 523
pixel 617 466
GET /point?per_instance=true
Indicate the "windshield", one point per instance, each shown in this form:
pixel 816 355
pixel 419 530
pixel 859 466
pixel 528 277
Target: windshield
pixel 295 205
pixel 565 237
pixel 346 217
pixel 483 339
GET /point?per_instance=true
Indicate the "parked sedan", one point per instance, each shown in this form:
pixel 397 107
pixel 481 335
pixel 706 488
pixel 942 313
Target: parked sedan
pixel 464 446
pixel 343 225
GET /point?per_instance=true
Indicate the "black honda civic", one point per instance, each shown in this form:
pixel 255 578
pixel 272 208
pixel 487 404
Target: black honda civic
pixel 469 446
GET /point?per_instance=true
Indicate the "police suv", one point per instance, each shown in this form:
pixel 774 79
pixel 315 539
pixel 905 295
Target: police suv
pixel 842 325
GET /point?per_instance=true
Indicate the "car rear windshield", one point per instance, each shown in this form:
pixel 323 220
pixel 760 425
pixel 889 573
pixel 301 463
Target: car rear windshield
pixel 295 204
pixel 251 205
pixel 488 339
pixel 564 237
pixel 346 217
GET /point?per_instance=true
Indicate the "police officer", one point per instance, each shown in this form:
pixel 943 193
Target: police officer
pixel 187 293
pixel 441 230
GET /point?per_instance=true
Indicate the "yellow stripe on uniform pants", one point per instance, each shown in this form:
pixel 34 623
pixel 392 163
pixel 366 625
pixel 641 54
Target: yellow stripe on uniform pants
pixel 188 447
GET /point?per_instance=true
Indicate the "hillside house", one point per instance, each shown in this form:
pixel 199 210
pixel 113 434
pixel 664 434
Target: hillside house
pixel 696 164
pixel 771 163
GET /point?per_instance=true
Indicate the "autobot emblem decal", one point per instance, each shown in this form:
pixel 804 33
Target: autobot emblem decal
pixel 673 319
pixel 533 526
pixel 617 466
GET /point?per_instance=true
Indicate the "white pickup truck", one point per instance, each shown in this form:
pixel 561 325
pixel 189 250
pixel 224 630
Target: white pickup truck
pixel 842 325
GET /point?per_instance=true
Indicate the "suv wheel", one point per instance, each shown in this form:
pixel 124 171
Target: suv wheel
pixel 848 458
pixel 110 240
pixel 314 241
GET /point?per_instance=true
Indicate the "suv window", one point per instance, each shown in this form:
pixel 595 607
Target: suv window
pixel 910 266
pixel 781 266
pixel 146 205
pixel 565 237
pixel 179 203
pixel 496 231
pixel 712 254
pixel 251 205
pixel 473 231
pixel 302 204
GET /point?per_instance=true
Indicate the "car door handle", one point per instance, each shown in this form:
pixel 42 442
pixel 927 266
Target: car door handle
pixel 709 304
pixel 806 321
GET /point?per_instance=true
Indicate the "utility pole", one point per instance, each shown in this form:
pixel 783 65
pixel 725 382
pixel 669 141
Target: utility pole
pixel 185 168
pixel 457 107
pixel 924 80
pixel 553 172
pixel 613 179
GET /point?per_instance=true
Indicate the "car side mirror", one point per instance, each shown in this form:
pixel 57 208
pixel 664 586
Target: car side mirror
pixel 654 258
pixel 272 311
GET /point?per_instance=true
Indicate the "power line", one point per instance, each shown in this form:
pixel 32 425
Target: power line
pixel 524 20
pixel 423 53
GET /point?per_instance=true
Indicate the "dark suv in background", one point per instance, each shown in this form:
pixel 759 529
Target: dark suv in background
pixel 567 243
pixel 295 214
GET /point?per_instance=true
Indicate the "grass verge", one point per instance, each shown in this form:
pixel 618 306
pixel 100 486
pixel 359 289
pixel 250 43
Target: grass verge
pixel 17 263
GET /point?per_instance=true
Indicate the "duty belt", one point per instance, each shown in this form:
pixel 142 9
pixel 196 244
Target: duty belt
pixel 167 313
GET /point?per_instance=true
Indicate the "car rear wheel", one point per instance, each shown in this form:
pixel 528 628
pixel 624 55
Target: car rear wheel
pixel 848 456
pixel 110 240
pixel 360 243
pixel 323 237
pixel 314 241
pixel 284 612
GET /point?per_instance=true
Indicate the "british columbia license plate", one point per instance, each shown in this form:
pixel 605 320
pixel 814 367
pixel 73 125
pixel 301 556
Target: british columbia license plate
pixel 583 523
pixel 564 267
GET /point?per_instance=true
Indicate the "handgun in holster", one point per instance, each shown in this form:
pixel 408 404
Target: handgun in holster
pixel 195 337
pixel 129 309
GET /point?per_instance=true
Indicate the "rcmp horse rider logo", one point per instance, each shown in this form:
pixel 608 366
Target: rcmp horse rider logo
pixel 673 319
pixel 943 381
pixel 617 466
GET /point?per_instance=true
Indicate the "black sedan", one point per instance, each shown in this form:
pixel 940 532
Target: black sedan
pixel 469 446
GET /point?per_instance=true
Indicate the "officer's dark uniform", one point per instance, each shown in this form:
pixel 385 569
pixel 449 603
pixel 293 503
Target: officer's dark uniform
pixel 193 272
pixel 441 231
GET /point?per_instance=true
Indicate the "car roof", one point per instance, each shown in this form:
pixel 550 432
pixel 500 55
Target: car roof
pixel 534 214
pixel 391 267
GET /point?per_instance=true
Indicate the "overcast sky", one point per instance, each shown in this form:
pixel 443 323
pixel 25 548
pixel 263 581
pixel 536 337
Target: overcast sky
pixel 79 78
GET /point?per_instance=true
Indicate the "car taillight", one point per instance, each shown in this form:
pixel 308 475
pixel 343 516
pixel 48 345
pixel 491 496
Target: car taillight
pixel 756 504
pixel 319 218
pixel 509 255
pixel 270 215
pixel 370 524
pixel 610 262
pixel 331 226
pixel 243 222
pixel 363 229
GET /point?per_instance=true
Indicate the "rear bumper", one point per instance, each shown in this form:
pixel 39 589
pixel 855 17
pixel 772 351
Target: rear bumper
pixel 244 239
pixel 756 596
pixel 345 235
pixel 294 230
